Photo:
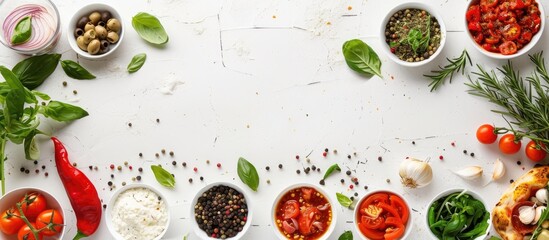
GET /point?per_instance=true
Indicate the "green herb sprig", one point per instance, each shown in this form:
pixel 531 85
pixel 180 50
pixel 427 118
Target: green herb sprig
pixel 455 65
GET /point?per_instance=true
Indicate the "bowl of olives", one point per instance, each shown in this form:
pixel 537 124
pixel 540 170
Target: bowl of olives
pixel 95 31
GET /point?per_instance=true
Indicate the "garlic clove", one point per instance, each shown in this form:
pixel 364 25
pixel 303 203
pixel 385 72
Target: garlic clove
pixel 527 214
pixel 536 201
pixel 499 170
pixel 470 173
pixel 539 210
pixel 415 173
pixel 541 195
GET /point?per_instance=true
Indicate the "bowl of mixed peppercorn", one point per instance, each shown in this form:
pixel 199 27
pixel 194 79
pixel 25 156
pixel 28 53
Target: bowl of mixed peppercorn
pixel 413 34
pixel 221 211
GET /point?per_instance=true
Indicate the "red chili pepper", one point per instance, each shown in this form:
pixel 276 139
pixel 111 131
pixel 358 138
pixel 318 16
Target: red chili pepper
pixel 81 192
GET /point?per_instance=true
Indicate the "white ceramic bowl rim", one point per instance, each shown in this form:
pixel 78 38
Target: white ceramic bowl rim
pixel 523 50
pixel 115 195
pixel 331 228
pixel 417 5
pixel 409 224
pixel 199 232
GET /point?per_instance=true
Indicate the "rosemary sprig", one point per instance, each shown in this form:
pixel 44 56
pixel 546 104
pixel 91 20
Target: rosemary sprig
pixel 457 64
pixel 526 102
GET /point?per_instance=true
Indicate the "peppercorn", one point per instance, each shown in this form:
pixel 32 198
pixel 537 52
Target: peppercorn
pixel 472 154
pixel 342 180
pixel 174 163
pixel 163 151
pixel 465 151
pixel 140 169
pixel 322 182
pixel 356 194
pixel 171 153
pixel 140 154
pixel 119 168
pixel 297 157
pixel 348 173
pixel 157 120
pixel 365 187
pixel 123 183
pixel 267 168
pixel 43 167
pixel 91 167
pixel 280 166
pixel 201 178
pixel 380 158
pixel 349 156
pixel 138 178
pixel 109 183
pixel 326 150
pixel 314 168
pixel 190 180
pixel 413 143
pixel 36 171
pixel 22 169
pixel 298 171
pixel 184 164
pixel 112 175
pixel 46 174
pixel 64 83
pixel 157 155
pixel 352 198
pixel 104 205
pixel 27 171
pixel 35 162
pixel 388 180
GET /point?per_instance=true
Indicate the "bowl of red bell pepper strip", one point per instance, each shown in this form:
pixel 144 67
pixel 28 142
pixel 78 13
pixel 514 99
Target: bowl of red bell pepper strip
pixel 383 215
pixel 504 29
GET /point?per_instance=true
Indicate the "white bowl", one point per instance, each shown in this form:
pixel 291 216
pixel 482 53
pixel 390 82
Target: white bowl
pixel 108 218
pixel 448 192
pixel 332 226
pixel 416 5
pixel 522 51
pixel 86 10
pixel 7 201
pixel 199 232
pixel 409 224
pixel 7 6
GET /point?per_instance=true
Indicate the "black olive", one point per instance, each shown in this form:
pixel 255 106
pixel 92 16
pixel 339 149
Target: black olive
pixel 78 32
pixel 101 23
pixel 82 22
pixel 105 16
pixel 104 44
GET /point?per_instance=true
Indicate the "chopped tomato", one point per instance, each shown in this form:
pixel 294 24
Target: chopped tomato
pixel 373 223
pixel 491 40
pixel 390 209
pixel 395 230
pixel 374 199
pixel 517 4
pixel 291 209
pixel 305 220
pixel 474 26
pixel 473 15
pixel 307 193
pixel 478 37
pixel 511 31
pixel 372 211
pixel 515 221
pixel 507 17
pixel 401 207
pixel 525 37
pixel 508 48
pixel 371 233
pixel 490 47
pixel 487 4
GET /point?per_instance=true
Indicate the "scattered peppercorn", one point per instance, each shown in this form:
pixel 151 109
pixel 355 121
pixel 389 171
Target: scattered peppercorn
pixel 46 174
pixel 22 169
pixel 64 83
pixel 352 198
pixel 157 155
pixel 297 157
pixel 157 120
pixel 195 169
pixel 74 92
pixel 123 183
pixel 43 167
pixel 441 157
pixel 140 154
pixel 268 181
pixel 138 178
pixel 365 187
pixel 129 124
pixel 348 172
pixel 388 180
pixel 201 178
pixel 322 182
pixel 318 169
pixel 472 154
pixel 349 156
pixel 325 154
pixel 140 169
pixel 174 163
pixel 27 171
pixel 464 151
pixel 190 180
pixel 119 168
pixel 207 161
pixel 163 151
pixel 351 186
pixel 35 162
pixel 91 167
pixel 413 142
pixel 342 180
pixel 519 162
pixel 314 168
pixel 109 183
pixel 280 166
pixel 380 158
pixel 218 165
pixel 356 194
pixel 326 150
pixel 335 151
pixel 298 171
pixel 37 171
pixel 171 153
pixel 74 164
pixel 112 175
pixel 267 168
pixel 112 166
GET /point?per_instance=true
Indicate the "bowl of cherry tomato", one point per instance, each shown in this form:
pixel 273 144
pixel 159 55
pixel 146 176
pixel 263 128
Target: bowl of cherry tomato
pixel 504 29
pixel 383 215
pixel 41 209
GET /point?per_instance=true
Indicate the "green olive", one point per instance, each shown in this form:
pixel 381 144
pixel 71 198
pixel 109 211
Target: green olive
pixel 112 37
pixel 94 47
pixel 100 32
pixel 81 44
pixel 95 17
pixel 89 36
pixel 114 25
pixel 89 26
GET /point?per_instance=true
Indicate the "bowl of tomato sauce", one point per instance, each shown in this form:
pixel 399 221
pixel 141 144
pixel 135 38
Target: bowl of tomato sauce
pixel 303 211
pixel 383 215
pixel 504 29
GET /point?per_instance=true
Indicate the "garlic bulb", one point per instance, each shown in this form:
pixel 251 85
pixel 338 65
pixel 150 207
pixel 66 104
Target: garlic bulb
pixel 499 170
pixel 470 173
pixel 541 195
pixel 539 210
pixel 415 173
pixel 527 214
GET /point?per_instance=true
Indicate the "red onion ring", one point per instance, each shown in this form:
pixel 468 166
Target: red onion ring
pixel 43 24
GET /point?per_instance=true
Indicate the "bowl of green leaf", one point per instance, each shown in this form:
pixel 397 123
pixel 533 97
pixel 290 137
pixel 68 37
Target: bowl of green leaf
pixel 412 34
pixel 459 214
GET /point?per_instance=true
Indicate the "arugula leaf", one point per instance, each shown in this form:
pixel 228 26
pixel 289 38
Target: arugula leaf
pixel 22 31
pixel 330 170
pixel 347 235
pixel 248 174
pixel 63 112
pixel 163 177
pixel 361 58
pixel 149 28
pixel 33 71
pixel 74 70
pixel 137 62
pixel 344 200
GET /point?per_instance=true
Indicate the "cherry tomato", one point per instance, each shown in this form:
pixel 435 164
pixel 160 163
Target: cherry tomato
pixel 508 145
pixel 474 26
pixel 517 4
pixel 306 219
pixel 511 31
pixel 486 135
pixel 508 48
pixel 10 221
pixel 291 209
pixel 26 234
pixel 473 15
pixel 395 230
pixel 534 151
pixel 478 38
pixel 373 223
pixel 32 205
pixel 525 37
pixel 490 47
pixel 48 217
pixel 487 4
pixel 515 220
pixel 401 207
pixel 507 17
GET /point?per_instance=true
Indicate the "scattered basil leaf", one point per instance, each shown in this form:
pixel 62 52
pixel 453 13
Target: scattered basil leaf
pixel 347 235
pixel 149 28
pixel 33 71
pixel 361 58
pixel 41 95
pixel 74 70
pixel 163 177
pixel 137 62
pixel 344 200
pixel 330 170
pixel 247 173
pixel 22 31
pixel 63 112
pixel 32 152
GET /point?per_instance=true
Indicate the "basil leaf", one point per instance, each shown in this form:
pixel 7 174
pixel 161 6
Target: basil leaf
pixel 18 131
pixel 163 177
pixel 15 103
pixel 41 95
pixel 344 200
pixel 22 31
pixel 32 152
pixel 137 62
pixel 494 238
pixel 347 235
pixel 74 70
pixel 248 174
pixel 63 112
pixel 33 71
pixel 14 83
pixel 149 28
pixel 330 170
pixel 361 58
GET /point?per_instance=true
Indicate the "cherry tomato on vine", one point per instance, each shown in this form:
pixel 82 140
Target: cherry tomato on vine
pixel 534 151
pixel 486 135
pixel 33 204
pixel 10 222
pixel 50 216
pixel 25 233
pixel 508 145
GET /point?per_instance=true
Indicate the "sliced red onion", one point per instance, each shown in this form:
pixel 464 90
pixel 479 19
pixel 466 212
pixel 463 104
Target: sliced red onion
pixel 318 225
pixel 44 26
pixel 288 228
pixel 323 207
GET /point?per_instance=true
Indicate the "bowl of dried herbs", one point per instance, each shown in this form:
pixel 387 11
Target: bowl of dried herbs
pixel 413 34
